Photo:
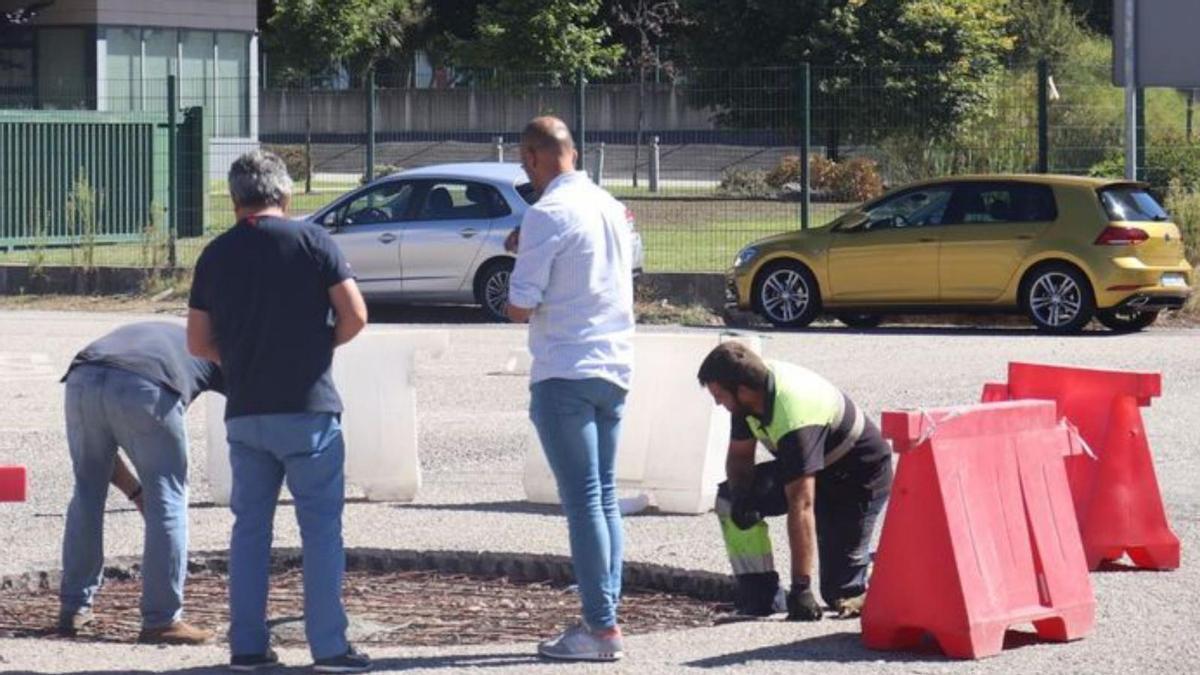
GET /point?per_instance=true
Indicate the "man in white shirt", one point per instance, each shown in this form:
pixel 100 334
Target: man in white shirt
pixel 573 283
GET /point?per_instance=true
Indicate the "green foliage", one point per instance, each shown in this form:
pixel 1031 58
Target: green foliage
pixel 745 183
pixel 309 38
pixel 1183 203
pixel 559 37
pixel 294 158
pixel 154 240
pixel 83 209
pixel 382 170
pixel 1045 29
pixel 1171 163
pixel 916 65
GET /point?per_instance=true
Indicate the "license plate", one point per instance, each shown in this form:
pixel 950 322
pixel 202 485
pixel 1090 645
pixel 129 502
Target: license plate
pixel 1174 280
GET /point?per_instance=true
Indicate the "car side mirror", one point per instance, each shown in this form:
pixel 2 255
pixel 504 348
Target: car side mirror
pixel 854 222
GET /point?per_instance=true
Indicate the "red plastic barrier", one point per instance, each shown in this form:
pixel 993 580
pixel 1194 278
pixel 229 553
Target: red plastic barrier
pixel 978 535
pixel 12 484
pixel 1117 500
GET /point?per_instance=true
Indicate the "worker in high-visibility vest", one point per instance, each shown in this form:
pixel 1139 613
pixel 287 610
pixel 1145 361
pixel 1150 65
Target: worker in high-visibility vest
pixel 831 476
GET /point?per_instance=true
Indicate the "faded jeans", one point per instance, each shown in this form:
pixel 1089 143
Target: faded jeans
pixel 579 424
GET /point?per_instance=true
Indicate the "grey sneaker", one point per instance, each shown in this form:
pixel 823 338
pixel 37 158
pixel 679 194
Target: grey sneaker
pixel 353 661
pixel 69 623
pixel 579 643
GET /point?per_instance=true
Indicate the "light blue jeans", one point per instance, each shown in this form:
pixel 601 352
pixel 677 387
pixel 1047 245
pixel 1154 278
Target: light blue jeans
pixel 579 423
pixel 307 450
pixel 107 408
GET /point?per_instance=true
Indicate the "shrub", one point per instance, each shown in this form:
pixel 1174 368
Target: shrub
pixel 738 182
pixel 1170 161
pixel 293 157
pixel 1183 203
pixel 855 180
pixel 382 170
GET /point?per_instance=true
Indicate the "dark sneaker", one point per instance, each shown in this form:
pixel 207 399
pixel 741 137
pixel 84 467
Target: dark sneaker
pixel 579 643
pixel 69 623
pixel 248 663
pixel 353 661
pixel 178 633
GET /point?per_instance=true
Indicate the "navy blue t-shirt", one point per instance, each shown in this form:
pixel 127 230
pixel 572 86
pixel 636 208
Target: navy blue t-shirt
pixel 265 286
pixel 157 351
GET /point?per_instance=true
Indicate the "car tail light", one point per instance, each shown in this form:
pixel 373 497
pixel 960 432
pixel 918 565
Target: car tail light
pixel 629 218
pixel 1115 235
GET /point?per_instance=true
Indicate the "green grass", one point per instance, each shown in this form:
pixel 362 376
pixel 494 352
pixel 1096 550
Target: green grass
pixel 680 235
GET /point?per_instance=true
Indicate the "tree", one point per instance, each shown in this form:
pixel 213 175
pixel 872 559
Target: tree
pixel 1045 29
pixel 310 39
pixel 908 66
pixel 558 37
pixel 648 22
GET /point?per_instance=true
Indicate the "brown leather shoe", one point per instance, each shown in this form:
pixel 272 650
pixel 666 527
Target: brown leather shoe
pixel 178 633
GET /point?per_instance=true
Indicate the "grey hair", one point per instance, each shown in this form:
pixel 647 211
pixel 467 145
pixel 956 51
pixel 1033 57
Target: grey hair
pixel 259 178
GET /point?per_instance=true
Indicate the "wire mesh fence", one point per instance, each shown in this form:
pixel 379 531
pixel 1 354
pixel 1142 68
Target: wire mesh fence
pixel 706 160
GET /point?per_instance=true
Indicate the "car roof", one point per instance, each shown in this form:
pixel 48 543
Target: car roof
pixel 509 173
pixel 1040 178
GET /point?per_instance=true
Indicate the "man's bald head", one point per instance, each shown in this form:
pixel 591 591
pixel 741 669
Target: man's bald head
pixel 548 134
pixel 547 150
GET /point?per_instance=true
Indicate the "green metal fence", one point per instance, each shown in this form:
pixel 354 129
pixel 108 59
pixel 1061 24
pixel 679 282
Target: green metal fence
pixel 83 177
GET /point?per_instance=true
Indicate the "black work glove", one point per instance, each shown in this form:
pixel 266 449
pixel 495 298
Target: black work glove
pixel 802 606
pixel 742 511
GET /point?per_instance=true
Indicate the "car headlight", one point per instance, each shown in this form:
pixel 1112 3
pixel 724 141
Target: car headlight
pixel 744 256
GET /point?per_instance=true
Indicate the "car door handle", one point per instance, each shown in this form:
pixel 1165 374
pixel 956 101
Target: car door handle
pixel 468 232
pixel 387 238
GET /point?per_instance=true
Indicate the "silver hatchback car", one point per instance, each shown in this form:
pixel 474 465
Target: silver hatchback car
pixel 436 234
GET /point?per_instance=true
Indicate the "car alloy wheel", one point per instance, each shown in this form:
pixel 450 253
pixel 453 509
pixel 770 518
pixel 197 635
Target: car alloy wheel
pixel 786 294
pixel 1058 298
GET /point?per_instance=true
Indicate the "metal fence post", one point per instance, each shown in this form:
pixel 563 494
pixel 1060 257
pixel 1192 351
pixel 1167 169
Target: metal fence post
pixel 172 170
pixel 599 167
pixel 655 165
pixel 805 143
pixel 499 148
pixel 1140 138
pixel 370 125
pixel 1043 116
pixel 580 118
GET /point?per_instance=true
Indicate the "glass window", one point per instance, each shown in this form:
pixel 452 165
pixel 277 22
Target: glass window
pixel 16 68
pixel 458 200
pixel 196 71
pixel 528 193
pixel 62 69
pixel 384 203
pixel 1003 203
pixel 1131 204
pixel 233 85
pixel 162 52
pixel 914 208
pixel 123 68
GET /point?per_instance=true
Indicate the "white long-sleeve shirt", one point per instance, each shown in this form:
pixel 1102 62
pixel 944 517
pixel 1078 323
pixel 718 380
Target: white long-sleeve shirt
pixel 575 270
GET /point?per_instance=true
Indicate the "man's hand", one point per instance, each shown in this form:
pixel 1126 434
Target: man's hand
pixel 802 606
pixel 513 241
pixel 742 511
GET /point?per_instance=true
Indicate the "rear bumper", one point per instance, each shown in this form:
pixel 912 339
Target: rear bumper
pixel 1154 302
pixel 1128 280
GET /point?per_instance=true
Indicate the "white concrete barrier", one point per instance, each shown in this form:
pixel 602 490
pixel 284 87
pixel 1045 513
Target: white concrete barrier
pixel 673 437
pixel 374 376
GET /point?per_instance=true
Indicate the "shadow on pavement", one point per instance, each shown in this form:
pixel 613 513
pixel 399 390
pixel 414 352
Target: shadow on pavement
pixel 523 507
pixel 847 647
pixel 449 661
pixel 435 314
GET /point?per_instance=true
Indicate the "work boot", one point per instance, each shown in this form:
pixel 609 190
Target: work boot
pixel 69 623
pixel 757 594
pixel 178 633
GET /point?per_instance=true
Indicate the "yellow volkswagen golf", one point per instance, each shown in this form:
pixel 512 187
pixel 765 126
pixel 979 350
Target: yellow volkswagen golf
pixel 1061 249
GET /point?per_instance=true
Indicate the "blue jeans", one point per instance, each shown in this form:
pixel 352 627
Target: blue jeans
pixel 107 408
pixel 306 449
pixel 579 422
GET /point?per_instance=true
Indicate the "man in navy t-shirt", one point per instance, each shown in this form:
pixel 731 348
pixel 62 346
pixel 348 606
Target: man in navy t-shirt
pixel 271 299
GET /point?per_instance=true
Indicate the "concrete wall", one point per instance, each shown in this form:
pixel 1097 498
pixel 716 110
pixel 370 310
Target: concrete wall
pixel 469 109
pixel 240 15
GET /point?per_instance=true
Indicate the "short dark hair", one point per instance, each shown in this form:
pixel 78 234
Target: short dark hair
pixel 732 364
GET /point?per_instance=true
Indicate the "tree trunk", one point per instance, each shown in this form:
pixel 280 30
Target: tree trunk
pixel 641 121
pixel 308 163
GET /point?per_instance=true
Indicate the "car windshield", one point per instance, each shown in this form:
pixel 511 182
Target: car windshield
pixel 528 193
pixel 1131 204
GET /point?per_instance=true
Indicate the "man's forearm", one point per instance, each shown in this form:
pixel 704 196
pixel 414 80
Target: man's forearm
pixel 739 473
pixel 346 329
pixel 802 537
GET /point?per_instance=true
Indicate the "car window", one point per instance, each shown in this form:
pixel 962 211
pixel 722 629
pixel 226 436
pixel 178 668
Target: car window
pixel 528 193
pixel 1131 204
pixel 913 208
pixel 1002 203
pixel 461 200
pixel 384 203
